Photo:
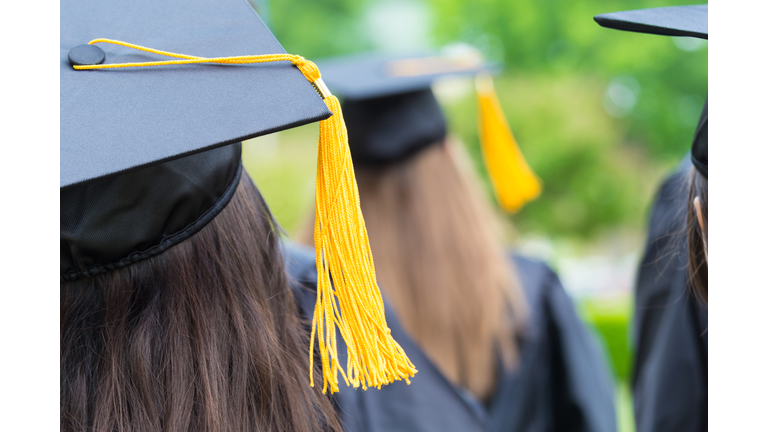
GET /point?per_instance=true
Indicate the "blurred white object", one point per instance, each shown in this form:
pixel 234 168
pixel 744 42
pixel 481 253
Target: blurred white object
pixel 399 25
pixel 689 43
pixel 598 275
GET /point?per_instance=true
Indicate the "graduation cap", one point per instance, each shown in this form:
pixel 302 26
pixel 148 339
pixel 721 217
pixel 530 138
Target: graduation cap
pixel 670 21
pixel 150 153
pixel 392 114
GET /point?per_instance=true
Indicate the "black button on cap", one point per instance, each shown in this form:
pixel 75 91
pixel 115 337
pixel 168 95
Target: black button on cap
pixel 83 55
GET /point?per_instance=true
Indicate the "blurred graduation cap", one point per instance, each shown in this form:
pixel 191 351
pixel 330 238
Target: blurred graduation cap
pixel 689 21
pixel 150 151
pixel 392 113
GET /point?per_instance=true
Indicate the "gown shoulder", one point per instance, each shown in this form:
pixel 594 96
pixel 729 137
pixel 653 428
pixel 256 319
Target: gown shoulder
pixel 560 383
pixel 669 378
pixel 580 387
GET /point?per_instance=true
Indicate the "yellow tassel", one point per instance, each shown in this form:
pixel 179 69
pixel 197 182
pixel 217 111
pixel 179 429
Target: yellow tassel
pixel 513 180
pixel 353 302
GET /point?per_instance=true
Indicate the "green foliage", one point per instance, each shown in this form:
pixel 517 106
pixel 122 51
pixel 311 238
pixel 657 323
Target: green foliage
pixel 591 181
pixel 319 28
pixel 599 114
pixel 625 413
pixel 283 165
pixel 550 37
pixel 611 318
pixel 560 68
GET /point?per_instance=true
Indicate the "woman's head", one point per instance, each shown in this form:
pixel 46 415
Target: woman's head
pixel 435 243
pixel 201 337
pixel 697 227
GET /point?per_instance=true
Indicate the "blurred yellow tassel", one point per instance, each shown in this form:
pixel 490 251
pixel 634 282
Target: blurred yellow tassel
pixel 513 180
pixel 353 302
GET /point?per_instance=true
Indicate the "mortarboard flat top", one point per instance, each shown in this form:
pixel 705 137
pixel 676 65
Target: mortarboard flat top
pixel 123 119
pixel 667 21
pixel 369 76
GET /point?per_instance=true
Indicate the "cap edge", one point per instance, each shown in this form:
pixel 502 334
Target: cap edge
pixel 286 126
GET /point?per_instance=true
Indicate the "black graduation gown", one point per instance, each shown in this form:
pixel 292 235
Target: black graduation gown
pixel 669 380
pixel 562 382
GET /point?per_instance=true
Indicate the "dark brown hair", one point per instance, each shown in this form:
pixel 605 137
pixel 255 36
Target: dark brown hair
pixel 697 254
pixel 435 242
pixel 203 337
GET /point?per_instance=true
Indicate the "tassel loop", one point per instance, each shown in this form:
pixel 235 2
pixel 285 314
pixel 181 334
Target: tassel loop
pixel 307 68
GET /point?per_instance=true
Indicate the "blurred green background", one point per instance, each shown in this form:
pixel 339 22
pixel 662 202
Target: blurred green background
pixel 600 115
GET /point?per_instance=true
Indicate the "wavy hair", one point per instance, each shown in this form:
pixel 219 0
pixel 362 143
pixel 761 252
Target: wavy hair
pixel 698 267
pixel 203 337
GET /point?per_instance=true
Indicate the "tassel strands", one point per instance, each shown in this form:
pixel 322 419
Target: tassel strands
pixel 352 302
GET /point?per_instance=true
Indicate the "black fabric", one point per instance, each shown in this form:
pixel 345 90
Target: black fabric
pixel 562 383
pixel 391 128
pixel 699 150
pixel 114 221
pixel 668 21
pixel 121 119
pixel 669 381
pixel 390 110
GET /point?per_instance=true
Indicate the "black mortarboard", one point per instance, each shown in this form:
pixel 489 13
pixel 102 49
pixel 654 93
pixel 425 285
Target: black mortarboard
pixel 150 151
pixel 388 103
pixel 120 129
pixel 112 121
pixel 392 114
pixel 666 21
pixel 670 21
pixel 387 129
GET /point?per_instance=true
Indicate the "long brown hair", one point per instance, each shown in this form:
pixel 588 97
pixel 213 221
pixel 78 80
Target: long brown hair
pixel 203 337
pixel 438 256
pixel 697 255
